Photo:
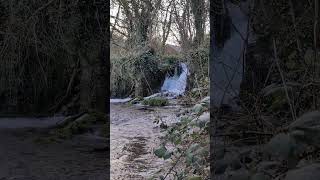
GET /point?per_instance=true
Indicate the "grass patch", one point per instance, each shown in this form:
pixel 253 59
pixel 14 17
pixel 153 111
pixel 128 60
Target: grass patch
pixel 156 101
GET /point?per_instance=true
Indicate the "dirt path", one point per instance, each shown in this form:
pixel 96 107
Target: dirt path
pixel 23 158
pixel 133 137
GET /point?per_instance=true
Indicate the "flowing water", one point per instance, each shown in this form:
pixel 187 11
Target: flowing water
pixel 133 138
pixel 177 83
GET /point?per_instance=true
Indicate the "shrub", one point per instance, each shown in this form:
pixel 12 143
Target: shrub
pixel 198 61
pixel 169 63
pixel 139 65
pixel 156 101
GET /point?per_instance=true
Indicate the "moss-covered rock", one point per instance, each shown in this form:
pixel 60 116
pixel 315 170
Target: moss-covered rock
pixel 83 124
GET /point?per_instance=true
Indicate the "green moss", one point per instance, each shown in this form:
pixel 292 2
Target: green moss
pixel 169 62
pixel 156 101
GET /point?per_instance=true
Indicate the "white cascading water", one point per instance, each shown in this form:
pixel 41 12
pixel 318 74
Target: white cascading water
pixel 176 84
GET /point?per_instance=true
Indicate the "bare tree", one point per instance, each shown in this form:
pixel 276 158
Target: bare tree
pixel 139 16
pixel 166 24
pixel 182 18
pixel 199 13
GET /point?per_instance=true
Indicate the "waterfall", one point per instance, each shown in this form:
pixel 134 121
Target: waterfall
pixel 173 85
pixel 176 84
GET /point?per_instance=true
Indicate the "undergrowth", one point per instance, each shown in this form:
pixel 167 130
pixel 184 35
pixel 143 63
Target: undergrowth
pixel 157 101
pixel 186 144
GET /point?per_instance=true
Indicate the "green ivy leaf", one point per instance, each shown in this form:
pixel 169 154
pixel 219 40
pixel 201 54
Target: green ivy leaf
pixel 161 151
pixel 198 108
pixel 167 155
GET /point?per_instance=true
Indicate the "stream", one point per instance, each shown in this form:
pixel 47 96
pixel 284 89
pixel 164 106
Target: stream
pixel 133 138
pixel 134 135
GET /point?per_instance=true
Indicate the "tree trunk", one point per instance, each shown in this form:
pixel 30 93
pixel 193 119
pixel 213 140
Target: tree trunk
pixel 198 10
pixel 85 80
pixel 139 88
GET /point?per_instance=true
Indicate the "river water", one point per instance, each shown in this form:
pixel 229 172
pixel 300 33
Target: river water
pixel 177 83
pixel 133 137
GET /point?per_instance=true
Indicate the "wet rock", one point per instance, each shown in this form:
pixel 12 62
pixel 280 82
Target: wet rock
pixel 202 120
pixel 205 117
pixel 269 166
